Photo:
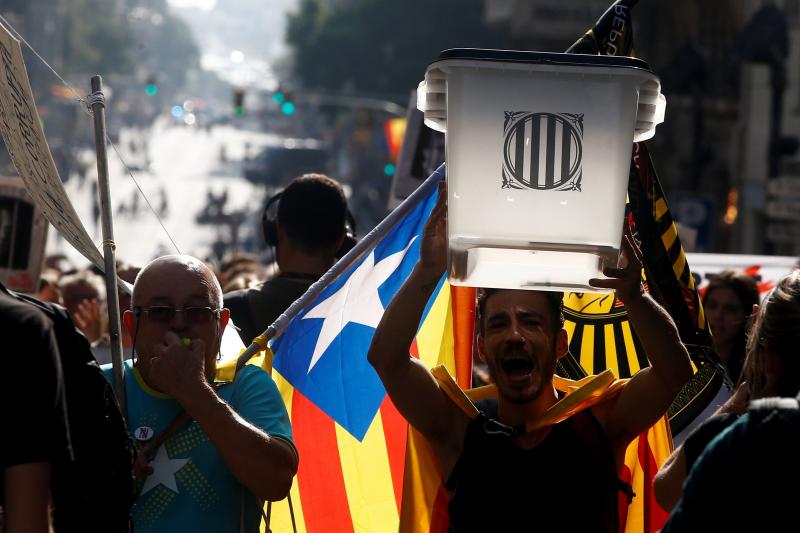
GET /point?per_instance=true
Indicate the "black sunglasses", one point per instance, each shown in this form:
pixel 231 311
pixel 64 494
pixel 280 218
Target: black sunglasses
pixel 165 313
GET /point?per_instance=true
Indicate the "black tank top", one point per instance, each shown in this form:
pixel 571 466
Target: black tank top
pixel 568 482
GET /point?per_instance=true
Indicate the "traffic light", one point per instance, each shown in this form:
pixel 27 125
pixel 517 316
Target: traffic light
pixel 284 100
pixel 151 87
pixel 238 102
pixel 278 96
pixel 288 106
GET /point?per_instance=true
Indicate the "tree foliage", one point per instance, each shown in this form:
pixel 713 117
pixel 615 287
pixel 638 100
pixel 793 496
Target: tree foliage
pixel 97 38
pixel 380 47
pixel 101 38
pixel 175 50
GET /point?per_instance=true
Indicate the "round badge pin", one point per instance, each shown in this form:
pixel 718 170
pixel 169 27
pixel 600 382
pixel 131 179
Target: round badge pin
pixel 143 433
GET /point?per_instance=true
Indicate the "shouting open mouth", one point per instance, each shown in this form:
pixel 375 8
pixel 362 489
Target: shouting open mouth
pixel 517 365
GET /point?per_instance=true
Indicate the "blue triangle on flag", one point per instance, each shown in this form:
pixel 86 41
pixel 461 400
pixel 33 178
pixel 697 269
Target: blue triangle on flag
pixel 341 382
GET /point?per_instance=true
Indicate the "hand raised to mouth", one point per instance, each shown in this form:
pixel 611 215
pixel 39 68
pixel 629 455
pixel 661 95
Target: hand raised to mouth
pixel 176 368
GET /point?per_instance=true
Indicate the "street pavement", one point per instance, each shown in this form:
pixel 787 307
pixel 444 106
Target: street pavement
pixel 187 164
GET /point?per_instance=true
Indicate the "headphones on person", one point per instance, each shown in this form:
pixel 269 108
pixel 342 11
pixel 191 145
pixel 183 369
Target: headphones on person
pixel 270 216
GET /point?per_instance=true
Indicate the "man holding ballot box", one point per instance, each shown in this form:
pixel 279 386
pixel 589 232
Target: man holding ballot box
pixel 565 451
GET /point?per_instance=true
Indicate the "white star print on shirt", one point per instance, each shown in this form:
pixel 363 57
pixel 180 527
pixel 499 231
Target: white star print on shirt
pixel 356 301
pixel 164 470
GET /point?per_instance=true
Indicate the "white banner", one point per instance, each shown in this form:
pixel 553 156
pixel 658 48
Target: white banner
pixel 766 269
pixel 25 142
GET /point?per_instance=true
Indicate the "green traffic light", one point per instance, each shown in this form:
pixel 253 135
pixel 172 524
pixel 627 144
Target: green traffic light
pixel 151 89
pixel 389 169
pixel 288 108
pixel 238 111
pixel 278 98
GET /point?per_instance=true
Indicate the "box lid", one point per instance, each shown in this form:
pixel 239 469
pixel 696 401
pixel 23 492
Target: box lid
pixel 432 91
pixel 541 58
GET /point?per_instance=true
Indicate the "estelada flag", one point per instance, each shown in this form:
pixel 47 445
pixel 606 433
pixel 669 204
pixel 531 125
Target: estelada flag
pixel 351 440
pixel 360 469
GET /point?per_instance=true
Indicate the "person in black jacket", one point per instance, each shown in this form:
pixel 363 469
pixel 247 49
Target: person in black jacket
pixel 92 486
pixel 309 226
pixel 35 434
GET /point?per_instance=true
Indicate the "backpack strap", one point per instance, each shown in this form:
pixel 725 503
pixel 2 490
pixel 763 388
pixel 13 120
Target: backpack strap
pixel 251 300
pixel 150 448
pixel 265 516
pixel 241 309
pixel 260 505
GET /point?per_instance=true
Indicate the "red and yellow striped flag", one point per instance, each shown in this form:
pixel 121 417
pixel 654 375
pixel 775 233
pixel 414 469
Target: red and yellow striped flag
pixel 348 485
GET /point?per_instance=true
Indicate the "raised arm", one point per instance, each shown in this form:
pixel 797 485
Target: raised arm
pixel 410 385
pixel 650 392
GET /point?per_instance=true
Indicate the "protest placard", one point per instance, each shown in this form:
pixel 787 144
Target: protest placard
pixel 26 144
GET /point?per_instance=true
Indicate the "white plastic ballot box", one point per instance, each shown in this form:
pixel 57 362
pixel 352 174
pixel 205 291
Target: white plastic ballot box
pixel 538 151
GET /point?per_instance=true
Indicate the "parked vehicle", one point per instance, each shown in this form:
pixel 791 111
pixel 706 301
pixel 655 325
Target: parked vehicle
pixel 276 165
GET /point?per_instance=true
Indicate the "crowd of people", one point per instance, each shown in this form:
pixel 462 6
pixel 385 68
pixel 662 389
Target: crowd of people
pixel 509 464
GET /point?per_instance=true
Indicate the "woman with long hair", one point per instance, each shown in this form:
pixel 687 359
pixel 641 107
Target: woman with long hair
pixel 739 481
pixel 728 301
pixel 771 368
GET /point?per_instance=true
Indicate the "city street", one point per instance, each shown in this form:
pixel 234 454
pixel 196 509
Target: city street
pixel 186 169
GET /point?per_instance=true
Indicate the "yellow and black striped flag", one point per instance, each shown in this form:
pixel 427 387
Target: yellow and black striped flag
pixel 612 35
pixel 600 335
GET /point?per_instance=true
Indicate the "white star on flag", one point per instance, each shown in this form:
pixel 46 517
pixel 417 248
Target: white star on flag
pixel 164 470
pixel 356 301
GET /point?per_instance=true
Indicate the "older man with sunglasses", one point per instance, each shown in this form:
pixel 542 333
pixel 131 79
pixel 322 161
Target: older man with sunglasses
pixel 210 453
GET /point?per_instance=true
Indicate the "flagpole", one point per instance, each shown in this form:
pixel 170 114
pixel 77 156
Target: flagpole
pixel 378 232
pixel 97 103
